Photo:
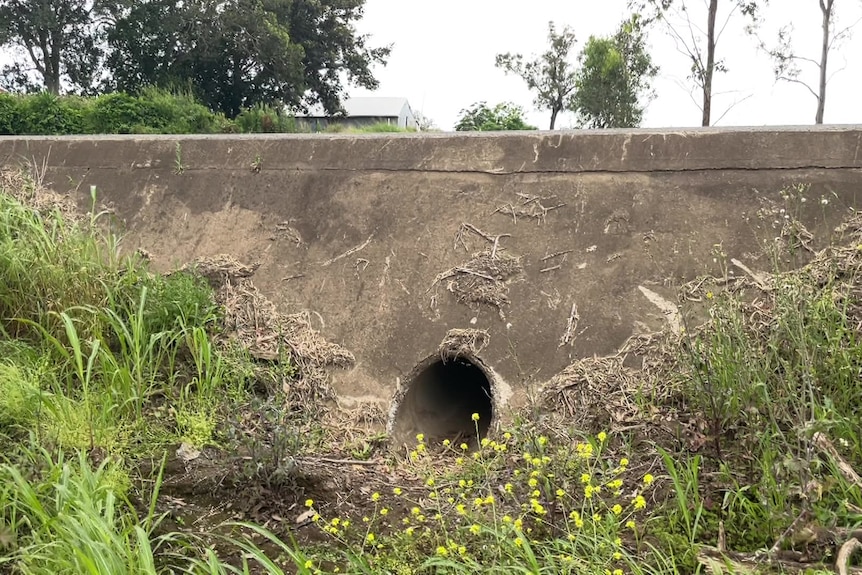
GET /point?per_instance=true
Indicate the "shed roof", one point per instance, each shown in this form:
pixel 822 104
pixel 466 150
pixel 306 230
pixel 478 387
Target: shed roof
pixel 374 106
pixel 369 106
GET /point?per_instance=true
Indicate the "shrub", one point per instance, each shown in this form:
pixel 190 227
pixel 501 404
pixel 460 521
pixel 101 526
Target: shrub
pixel 46 114
pixel 121 113
pixel 265 119
pixel 9 115
pixel 177 113
pixel 152 112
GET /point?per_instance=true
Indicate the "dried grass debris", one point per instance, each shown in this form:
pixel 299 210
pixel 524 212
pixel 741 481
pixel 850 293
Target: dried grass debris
pixel 28 190
pixel 598 392
pixel 482 280
pixel 252 321
pixel 463 343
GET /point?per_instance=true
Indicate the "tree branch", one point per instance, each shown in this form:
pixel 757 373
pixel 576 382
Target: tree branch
pixel 800 82
pixel 729 108
pixel 839 35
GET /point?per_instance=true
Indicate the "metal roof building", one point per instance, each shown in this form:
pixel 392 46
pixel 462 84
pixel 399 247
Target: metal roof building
pixel 366 111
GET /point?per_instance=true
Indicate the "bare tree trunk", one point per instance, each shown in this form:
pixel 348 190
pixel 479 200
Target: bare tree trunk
pixel 826 10
pixel 710 62
pixel 554 112
pixel 53 65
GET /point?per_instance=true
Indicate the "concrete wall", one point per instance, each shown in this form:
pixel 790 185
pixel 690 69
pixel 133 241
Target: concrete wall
pixel 357 229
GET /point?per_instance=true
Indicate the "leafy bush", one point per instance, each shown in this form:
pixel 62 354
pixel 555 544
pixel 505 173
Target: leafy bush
pixel 170 303
pixel 265 119
pixel 8 115
pixel 118 113
pixel 153 111
pixel 480 118
pixel 179 113
pixel 46 114
pixel 17 393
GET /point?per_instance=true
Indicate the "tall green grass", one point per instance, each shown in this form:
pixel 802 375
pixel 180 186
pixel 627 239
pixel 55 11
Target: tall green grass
pixel 67 517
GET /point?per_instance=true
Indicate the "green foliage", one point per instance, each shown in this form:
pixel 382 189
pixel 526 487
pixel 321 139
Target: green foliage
pixel 151 44
pixel 614 79
pixel 8 115
pixel 169 302
pixel 114 333
pixel 119 113
pixel 265 119
pixel 480 118
pixel 19 396
pixel 48 265
pixel 69 518
pixel 116 363
pixel 301 55
pixel 47 114
pixel 550 75
pixel 60 38
pixel 153 111
pixel 336 127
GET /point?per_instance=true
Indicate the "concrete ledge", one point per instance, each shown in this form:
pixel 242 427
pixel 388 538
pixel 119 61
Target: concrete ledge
pixel 363 230
pixel 499 153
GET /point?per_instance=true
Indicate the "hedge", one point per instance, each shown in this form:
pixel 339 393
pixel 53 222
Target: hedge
pixel 151 112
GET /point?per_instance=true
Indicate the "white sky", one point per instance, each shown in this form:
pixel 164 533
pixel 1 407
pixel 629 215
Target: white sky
pixel 443 59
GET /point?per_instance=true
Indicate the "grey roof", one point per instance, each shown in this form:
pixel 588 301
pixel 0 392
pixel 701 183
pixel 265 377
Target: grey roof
pixel 374 106
pixel 364 107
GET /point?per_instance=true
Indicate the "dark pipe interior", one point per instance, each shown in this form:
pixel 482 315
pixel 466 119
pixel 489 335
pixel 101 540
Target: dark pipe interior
pixel 441 400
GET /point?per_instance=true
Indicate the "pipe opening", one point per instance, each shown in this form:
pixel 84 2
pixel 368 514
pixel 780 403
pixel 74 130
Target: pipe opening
pixel 440 399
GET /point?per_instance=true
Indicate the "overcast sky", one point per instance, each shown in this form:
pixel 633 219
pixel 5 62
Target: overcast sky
pixel 443 59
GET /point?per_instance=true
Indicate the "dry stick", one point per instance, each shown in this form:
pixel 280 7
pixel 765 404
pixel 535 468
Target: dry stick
pixel 348 252
pixel 550 269
pixel 843 559
pixel 529 199
pixel 821 441
pixel 493 239
pixel 452 272
pixel 758 278
pixel 571 325
pixel 474 273
pixel 550 256
pixel 340 461
pixel 790 528
pixel 293 277
pixel 477 231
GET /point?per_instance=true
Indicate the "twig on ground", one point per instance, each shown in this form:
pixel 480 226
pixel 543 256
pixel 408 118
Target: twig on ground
pixel 556 254
pixel 335 461
pixel 823 443
pixel 352 250
pixel 844 554
pixel 571 326
pixel 758 279
pixel 494 240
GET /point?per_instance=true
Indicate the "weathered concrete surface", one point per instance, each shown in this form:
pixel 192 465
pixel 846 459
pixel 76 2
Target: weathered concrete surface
pixel 357 229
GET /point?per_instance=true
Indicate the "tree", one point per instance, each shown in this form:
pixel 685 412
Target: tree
pixel 480 118
pixel 425 123
pixel 550 75
pixel 614 78
pixel 238 53
pixel 788 63
pixel 689 37
pixel 58 40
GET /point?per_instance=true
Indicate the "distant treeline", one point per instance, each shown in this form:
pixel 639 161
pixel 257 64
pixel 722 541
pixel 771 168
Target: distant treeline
pixel 151 112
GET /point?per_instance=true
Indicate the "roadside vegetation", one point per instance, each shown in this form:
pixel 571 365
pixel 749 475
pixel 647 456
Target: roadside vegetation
pixel 736 449
pixel 153 111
